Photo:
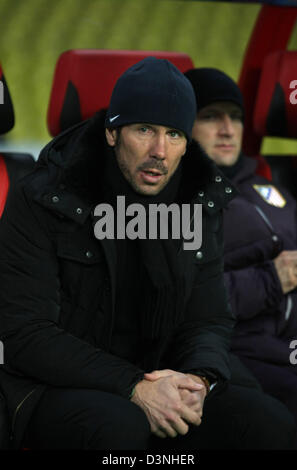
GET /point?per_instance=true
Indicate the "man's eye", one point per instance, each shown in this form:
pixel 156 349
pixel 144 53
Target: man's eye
pixel 209 116
pixel 175 134
pixel 236 117
pixel 145 129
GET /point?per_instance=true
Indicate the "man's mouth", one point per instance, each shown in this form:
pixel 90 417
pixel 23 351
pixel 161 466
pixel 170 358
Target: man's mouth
pixel 151 175
pixel 225 146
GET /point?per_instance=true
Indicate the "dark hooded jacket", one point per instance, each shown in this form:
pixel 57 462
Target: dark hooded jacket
pixel 59 282
pixel 258 224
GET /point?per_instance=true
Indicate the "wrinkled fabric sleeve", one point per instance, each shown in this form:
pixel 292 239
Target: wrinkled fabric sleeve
pixel 253 290
pixel 34 345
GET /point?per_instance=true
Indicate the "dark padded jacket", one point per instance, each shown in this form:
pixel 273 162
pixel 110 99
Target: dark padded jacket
pixel 255 232
pixel 58 281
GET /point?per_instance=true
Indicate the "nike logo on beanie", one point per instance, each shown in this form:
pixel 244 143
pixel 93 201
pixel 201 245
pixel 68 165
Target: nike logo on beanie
pixel 114 117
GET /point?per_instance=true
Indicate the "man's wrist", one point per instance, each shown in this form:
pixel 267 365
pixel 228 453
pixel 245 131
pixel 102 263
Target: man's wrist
pixel 132 392
pixel 134 384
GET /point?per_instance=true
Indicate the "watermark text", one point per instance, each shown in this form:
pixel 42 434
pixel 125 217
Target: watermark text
pixel 154 221
pixel 293 355
pixel 1 93
pixel 1 353
pixel 293 94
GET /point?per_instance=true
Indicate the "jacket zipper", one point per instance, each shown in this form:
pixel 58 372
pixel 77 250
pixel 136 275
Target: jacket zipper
pixel 17 410
pixel 264 217
pixel 289 307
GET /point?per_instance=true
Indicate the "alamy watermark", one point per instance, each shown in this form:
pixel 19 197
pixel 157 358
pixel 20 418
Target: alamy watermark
pixel 1 353
pixel 293 355
pixel 1 93
pixel 152 222
pixel 293 94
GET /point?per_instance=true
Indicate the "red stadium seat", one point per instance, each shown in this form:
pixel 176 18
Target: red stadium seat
pixel 84 79
pixel 12 165
pixel 275 113
pixel 263 167
pixel 4 184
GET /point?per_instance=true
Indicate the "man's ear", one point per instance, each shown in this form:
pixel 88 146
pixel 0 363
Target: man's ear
pixel 111 136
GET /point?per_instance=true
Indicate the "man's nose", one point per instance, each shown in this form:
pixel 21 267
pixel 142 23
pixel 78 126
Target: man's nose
pixel 158 149
pixel 226 125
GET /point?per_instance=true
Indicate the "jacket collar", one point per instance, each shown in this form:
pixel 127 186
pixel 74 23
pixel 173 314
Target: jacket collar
pixel 246 171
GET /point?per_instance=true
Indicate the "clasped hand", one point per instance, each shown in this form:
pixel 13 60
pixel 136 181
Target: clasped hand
pixel 171 401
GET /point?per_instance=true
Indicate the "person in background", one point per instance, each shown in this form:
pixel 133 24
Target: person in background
pixel 260 235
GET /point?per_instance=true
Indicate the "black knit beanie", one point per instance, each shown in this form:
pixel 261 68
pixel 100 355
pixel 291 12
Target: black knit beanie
pixel 153 91
pixel 212 85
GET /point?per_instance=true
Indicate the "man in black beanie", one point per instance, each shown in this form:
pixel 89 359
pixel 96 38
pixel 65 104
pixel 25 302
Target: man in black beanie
pixel 219 100
pixel 115 338
pixel 260 241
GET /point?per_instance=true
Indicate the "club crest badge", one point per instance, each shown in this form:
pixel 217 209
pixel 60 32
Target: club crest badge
pixel 270 194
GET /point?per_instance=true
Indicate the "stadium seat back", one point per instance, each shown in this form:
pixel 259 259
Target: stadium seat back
pixel 84 80
pixel 275 113
pixel 13 165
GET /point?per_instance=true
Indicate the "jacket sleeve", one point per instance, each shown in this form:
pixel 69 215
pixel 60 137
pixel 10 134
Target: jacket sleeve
pixel 253 290
pixel 202 341
pixel 34 345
